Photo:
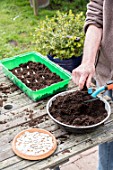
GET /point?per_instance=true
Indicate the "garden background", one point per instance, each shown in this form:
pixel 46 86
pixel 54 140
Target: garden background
pixel 18 22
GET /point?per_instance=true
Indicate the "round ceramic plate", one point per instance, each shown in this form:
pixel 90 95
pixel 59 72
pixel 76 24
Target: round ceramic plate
pixel 41 149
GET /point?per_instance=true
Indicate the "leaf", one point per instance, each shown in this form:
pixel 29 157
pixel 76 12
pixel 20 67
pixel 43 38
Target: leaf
pixel 59 33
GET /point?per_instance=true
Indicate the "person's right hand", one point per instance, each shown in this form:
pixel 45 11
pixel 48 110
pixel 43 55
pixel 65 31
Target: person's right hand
pixel 83 74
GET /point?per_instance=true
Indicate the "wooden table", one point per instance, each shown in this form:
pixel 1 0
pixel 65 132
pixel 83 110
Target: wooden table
pixel 21 117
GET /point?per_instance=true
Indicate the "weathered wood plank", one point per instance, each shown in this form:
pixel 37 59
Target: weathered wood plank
pixel 7 147
pixel 17 101
pixel 49 125
pixel 78 140
pixel 8 135
pixel 57 159
pixel 5 141
pixel 69 144
pixel 30 163
pixel 25 118
pixel 62 156
pixel 46 125
pixel 9 162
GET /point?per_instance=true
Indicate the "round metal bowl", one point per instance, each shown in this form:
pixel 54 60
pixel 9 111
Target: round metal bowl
pixel 77 129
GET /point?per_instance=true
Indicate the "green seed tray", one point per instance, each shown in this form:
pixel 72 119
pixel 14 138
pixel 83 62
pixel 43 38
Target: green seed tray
pixel 10 63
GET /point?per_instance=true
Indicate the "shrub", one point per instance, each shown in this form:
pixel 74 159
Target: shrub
pixel 61 36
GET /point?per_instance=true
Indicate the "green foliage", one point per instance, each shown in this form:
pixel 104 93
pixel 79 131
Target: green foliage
pixel 61 36
pixel 65 5
pixel 17 23
pixel 55 2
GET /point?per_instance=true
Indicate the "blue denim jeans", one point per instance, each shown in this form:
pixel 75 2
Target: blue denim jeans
pixel 106 156
pixel 106 151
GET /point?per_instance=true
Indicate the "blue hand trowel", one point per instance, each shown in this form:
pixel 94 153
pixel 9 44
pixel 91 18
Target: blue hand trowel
pixel 108 86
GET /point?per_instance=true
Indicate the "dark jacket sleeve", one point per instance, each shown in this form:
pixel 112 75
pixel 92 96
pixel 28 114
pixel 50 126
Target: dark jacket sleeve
pixel 94 14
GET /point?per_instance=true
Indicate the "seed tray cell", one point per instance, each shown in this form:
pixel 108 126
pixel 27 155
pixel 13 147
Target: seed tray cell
pixel 11 63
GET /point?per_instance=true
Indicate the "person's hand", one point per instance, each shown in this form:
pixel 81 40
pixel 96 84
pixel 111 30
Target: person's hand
pixel 83 74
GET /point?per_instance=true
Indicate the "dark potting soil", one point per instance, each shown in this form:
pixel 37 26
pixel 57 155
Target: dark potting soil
pixel 71 110
pixel 35 75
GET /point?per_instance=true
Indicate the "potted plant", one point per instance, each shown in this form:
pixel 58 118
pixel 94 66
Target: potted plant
pixel 61 38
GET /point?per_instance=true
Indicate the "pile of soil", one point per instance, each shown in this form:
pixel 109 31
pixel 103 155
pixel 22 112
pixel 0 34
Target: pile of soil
pixel 35 75
pixel 71 110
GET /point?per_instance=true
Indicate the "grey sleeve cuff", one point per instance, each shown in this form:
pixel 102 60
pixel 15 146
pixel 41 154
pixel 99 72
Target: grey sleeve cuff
pixel 94 15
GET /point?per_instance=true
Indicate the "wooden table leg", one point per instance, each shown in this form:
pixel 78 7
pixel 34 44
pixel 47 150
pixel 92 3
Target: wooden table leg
pixel 56 168
pixel 35 7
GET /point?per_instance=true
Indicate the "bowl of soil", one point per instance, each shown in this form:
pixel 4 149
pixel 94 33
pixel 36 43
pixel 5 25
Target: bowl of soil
pixel 69 110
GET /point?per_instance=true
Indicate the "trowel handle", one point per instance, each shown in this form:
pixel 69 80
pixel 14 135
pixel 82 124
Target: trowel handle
pixel 110 86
